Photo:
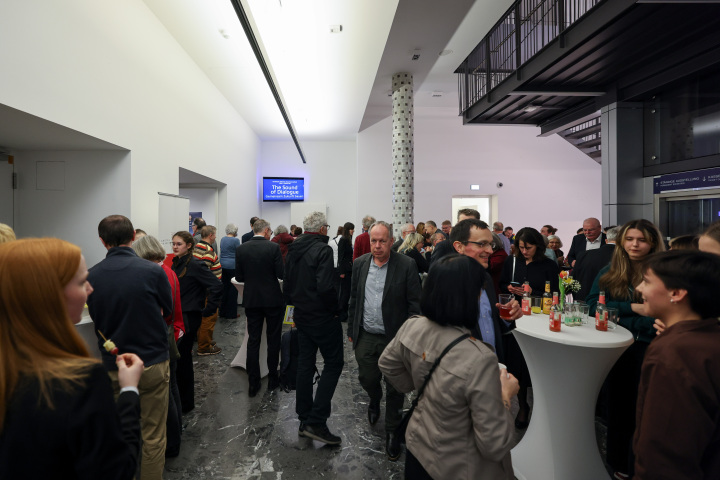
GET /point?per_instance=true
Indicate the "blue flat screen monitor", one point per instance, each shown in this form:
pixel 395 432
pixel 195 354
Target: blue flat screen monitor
pixel 283 189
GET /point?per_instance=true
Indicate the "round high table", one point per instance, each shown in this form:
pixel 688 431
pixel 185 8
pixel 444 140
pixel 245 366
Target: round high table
pixel 567 370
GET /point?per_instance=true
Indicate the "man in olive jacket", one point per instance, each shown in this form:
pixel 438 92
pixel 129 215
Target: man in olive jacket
pixel 385 291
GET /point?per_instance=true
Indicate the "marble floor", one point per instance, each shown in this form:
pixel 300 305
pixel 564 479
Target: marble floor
pixel 231 436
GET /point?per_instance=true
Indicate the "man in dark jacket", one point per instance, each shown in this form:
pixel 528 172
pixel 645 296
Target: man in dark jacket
pixel 385 292
pixel 130 297
pixel 592 238
pixel 258 264
pixel 589 263
pixel 249 234
pixel 310 287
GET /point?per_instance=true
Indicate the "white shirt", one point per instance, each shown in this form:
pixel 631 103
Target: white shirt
pixel 334 245
pixel 593 245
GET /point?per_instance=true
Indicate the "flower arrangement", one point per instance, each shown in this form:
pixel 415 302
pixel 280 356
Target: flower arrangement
pixel 568 284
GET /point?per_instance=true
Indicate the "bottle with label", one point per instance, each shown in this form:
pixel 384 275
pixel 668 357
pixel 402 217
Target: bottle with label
pixel 547 299
pixel 601 313
pixel 555 314
pixel 526 307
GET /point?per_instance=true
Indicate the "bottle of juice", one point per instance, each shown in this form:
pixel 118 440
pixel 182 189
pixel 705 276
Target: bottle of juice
pixel 526 308
pixel 547 299
pixel 600 313
pixel 555 315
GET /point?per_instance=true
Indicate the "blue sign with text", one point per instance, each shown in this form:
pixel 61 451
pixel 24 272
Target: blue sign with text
pixel 687 180
pixel 285 189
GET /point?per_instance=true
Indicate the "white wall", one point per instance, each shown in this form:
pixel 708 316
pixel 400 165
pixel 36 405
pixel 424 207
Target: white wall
pixel 546 180
pixel 330 178
pixel 85 187
pixel 204 200
pixel 111 70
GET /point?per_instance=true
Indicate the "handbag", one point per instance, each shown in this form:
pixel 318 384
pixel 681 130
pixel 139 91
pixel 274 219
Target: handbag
pixel 402 427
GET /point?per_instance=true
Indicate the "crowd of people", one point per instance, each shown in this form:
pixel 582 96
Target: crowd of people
pixel 421 312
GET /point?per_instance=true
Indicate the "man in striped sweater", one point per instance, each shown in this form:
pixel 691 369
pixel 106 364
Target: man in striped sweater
pixel 204 251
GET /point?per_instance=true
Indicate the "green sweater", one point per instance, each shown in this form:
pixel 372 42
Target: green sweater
pixel 641 327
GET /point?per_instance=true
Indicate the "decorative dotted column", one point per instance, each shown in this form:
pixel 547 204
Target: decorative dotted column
pixel 402 151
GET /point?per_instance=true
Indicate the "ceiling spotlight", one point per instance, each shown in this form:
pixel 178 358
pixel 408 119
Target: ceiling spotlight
pixel 415 54
pixel 530 108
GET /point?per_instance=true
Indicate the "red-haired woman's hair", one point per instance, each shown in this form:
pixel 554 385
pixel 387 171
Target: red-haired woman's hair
pixel 37 337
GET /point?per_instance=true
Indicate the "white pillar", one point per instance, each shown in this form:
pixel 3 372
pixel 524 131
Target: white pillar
pixel 402 150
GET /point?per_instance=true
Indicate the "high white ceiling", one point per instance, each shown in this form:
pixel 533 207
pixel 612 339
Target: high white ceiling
pixel 333 84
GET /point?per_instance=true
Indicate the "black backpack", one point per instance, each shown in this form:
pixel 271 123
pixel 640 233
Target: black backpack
pixel 289 350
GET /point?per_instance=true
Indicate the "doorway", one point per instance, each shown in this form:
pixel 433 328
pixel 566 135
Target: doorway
pixel 486 205
pixel 7 192
pixel 686 213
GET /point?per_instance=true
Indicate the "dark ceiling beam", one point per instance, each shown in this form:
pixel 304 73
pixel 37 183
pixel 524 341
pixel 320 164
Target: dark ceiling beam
pixel 559 93
pixel 245 22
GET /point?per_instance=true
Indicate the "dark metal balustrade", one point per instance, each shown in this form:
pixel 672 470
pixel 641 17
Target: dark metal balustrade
pixel 525 29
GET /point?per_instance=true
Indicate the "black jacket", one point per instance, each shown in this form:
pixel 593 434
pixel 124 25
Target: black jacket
pixel 86 435
pixel 197 282
pixel 536 273
pixel 259 264
pixel 440 250
pixel 345 256
pixel 588 265
pixel 401 294
pixel 130 297
pixel 310 280
pixel 579 243
pixel 422 264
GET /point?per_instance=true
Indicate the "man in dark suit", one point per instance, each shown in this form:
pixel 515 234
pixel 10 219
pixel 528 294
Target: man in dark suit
pixel 589 264
pixel 444 247
pixel 259 264
pixel 385 291
pixel 590 239
pixel 251 233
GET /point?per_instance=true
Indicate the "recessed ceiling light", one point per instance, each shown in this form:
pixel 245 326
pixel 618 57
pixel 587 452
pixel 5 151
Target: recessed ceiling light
pixel 530 108
pixel 445 52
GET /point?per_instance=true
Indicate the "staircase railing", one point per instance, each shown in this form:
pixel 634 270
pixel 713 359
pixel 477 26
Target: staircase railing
pixel 525 29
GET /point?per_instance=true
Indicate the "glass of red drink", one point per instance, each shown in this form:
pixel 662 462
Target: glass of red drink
pixel 504 299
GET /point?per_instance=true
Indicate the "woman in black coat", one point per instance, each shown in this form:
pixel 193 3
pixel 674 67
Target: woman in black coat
pixel 528 264
pixel 197 283
pixel 345 255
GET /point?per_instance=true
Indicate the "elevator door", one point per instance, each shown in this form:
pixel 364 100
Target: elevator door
pixel 687 215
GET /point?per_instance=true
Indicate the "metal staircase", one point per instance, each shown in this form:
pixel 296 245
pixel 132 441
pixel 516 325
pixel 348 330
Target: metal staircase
pixel 586 137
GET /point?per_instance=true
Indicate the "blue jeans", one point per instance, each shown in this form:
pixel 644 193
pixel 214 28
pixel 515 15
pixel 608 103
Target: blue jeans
pixel 328 338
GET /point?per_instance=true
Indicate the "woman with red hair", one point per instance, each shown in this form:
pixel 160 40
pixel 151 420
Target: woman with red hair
pixel 57 414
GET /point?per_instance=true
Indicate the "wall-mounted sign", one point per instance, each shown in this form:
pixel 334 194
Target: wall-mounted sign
pixel 686 180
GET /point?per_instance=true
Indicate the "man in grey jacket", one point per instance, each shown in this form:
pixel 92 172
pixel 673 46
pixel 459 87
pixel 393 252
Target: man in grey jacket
pixel 385 291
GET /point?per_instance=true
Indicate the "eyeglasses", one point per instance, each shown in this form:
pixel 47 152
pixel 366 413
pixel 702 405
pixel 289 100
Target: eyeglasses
pixel 479 244
pixel 326 226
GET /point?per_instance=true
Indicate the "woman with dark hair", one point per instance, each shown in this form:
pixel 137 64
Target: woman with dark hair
pixel 58 418
pixel 462 427
pixel 496 260
pixel 528 264
pixel 197 283
pixel 345 261
pixel 678 408
pixel 637 240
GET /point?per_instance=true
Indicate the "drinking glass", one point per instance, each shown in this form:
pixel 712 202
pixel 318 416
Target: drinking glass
pixel 504 299
pixel 536 304
pixel 585 313
pixel 612 316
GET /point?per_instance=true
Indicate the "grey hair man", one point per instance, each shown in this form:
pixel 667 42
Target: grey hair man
pixel 590 262
pixel 498 229
pixel 592 238
pixel 362 242
pixel 310 287
pixel 385 292
pixel 404 231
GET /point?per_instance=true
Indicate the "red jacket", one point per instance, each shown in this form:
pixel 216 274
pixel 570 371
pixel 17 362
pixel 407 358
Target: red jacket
pixel 362 245
pixel 175 318
pixel 283 239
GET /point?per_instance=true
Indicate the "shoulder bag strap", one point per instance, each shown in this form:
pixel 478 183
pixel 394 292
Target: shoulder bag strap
pixel 435 365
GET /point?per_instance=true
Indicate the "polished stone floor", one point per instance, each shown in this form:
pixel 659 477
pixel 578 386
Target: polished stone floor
pixel 232 436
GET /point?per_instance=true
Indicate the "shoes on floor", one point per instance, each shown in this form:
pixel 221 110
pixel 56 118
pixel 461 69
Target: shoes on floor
pixel 253 389
pixel 213 343
pixel 273 383
pixel 392 447
pixel 321 433
pixel 373 411
pixel 301 429
pixel 620 476
pixel 213 350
